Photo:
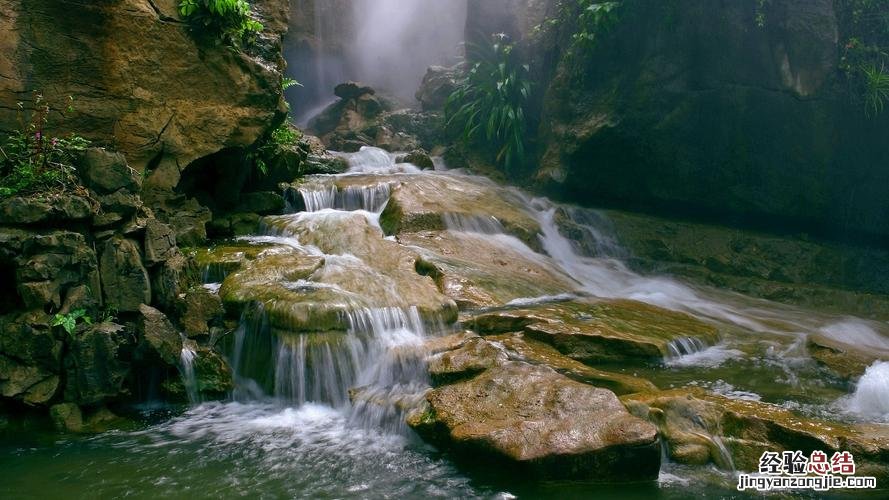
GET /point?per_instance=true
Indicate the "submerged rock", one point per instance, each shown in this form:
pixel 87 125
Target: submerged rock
pixel 546 424
pixel 599 330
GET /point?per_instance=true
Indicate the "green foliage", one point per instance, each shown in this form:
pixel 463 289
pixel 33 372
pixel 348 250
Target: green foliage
pixel 594 19
pixel 289 82
pixel 231 20
pixel 280 138
pixel 876 92
pixel 69 321
pixel 490 102
pixel 33 161
pixel 865 50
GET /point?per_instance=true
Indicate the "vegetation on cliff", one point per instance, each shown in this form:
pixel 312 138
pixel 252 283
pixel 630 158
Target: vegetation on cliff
pixel 33 159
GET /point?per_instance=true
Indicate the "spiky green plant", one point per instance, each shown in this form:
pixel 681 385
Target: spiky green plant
pixel 876 93
pixel 489 103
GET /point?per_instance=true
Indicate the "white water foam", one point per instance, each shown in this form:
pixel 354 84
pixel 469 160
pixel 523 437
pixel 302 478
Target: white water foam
pixel 871 397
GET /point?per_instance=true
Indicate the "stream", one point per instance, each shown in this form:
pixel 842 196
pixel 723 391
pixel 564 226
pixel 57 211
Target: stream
pixel 292 428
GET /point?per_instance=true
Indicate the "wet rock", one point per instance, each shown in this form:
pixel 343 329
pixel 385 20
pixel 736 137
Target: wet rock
pixel 125 281
pixel 472 357
pixel 419 158
pixel 160 242
pixel 819 275
pixel 438 84
pixel 27 383
pixel 159 338
pixel 202 309
pixel 45 209
pixel 599 331
pixel 543 423
pixel 66 417
pixel 845 359
pixel 735 433
pixel 213 373
pixel 520 348
pixel 352 90
pixel 304 291
pixel 106 171
pixel 169 280
pixel 478 270
pixel 424 202
pixel 96 370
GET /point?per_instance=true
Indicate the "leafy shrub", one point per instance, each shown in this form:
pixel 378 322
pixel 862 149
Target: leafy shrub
pixel 230 19
pixel 594 18
pixel 489 103
pixel 69 321
pixel 32 160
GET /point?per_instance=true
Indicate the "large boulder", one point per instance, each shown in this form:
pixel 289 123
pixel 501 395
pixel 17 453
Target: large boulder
pixel 111 51
pixel 438 84
pixel 531 418
pixel 49 266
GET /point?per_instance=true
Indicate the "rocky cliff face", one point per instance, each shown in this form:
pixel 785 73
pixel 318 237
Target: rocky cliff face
pixel 144 83
pixel 694 107
pixel 163 100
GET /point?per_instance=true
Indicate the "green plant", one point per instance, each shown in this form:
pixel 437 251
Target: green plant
pixel 876 92
pixel 490 101
pixel 231 19
pixel 32 161
pixel 69 321
pixel 594 18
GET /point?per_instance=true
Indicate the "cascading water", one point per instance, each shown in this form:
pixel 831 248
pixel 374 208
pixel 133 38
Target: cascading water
pixel 186 362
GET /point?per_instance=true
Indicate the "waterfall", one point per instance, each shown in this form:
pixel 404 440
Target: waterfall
pixel 432 30
pixel 332 41
pixel 186 367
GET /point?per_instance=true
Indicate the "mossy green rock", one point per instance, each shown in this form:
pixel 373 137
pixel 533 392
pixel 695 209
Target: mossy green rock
pixel 598 330
pixel 691 418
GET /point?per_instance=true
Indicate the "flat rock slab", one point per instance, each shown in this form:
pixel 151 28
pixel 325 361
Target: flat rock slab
pixel 478 270
pixel 541 422
pixel 598 330
pixel 338 263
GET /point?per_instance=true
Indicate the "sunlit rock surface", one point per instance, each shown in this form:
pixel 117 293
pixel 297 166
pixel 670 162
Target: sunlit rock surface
pixel 544 423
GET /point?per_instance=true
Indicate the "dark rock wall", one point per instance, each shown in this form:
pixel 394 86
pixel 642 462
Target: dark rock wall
pixel 690 108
